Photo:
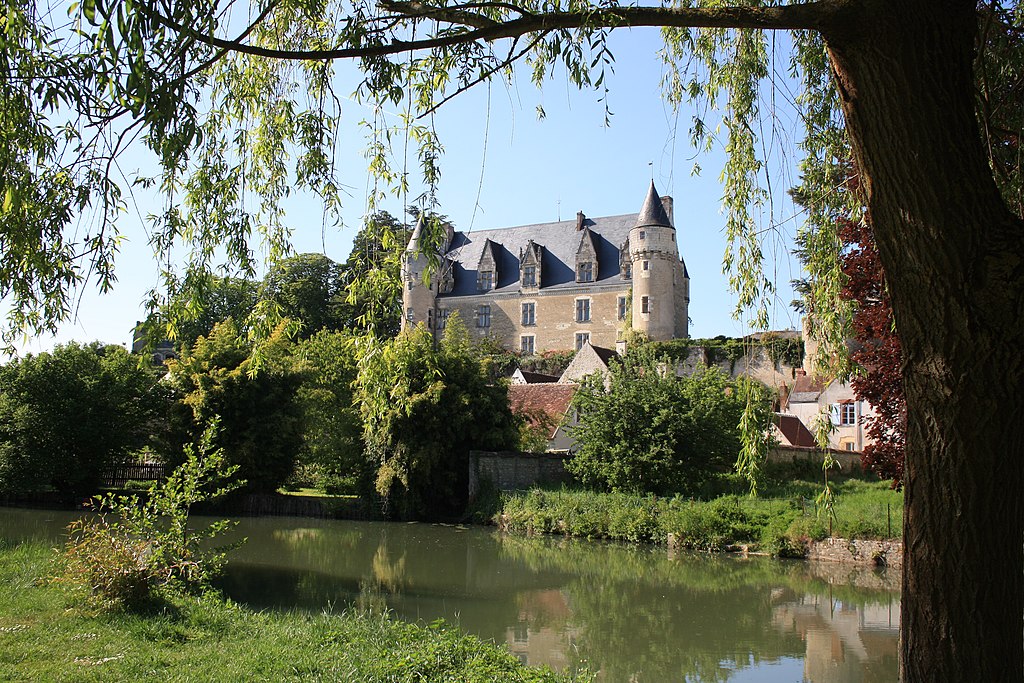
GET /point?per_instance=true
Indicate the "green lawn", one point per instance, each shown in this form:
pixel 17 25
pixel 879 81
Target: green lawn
pixel 203 638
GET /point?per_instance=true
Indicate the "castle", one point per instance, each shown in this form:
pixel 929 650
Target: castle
pixel 555 286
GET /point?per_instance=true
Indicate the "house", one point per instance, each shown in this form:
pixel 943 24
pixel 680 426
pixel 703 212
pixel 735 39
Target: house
pixel 555 286
pixel 811 399
pixel 546 406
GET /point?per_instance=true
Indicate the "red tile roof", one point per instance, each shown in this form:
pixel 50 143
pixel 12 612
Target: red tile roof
pixel 794 430
pixel 533 400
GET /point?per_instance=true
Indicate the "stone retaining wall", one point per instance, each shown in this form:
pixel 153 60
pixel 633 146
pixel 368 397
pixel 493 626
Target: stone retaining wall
pixel 877 553
pixel 511 470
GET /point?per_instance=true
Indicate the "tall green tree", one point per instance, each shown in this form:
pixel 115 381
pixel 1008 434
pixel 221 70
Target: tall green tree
pixel 373 276
pixel 307 289
pixel 192 309
pixel 260 421
pixel 333 447
pixel 68 414
pixel 892 83
pixel 642 429
pixel 425 406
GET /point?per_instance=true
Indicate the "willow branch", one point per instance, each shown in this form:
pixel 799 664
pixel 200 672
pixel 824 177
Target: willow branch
pixel 813 16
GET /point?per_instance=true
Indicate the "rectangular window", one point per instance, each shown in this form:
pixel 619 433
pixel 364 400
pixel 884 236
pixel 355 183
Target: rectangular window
pixel 442 318
pixel 408 314
pixel 529 314
pixel 627 270
pixel 483 316
pixel 848 413
pixel 526 344
pixel 645 304
pixel 622 308
pixel 410 284
pixel 849 445
pixel 485 280
pixel 583 310
pixel 529 276
pixel 643 234
pixel 647 265
pixel 430 318
pixel 585 272
pixel 581 339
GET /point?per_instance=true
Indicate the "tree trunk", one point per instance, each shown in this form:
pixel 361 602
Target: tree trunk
pixel 954 259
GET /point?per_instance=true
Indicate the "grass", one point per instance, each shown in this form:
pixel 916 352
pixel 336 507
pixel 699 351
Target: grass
pixel 204 638
pixel 786 515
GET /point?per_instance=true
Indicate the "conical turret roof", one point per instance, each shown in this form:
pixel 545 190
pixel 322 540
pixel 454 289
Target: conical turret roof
pixel 417 234
pixel 653 211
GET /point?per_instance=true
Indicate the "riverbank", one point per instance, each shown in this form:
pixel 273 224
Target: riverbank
pixel 786 520
pixel 207 638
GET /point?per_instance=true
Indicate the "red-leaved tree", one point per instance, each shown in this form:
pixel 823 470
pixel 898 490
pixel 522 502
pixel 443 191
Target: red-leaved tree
pixel 876 351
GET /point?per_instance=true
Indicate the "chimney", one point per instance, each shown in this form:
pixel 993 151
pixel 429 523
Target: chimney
pixel 579 220
pixel 666 202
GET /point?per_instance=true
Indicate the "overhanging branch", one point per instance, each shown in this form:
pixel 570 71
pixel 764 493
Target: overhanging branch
pixel 477 27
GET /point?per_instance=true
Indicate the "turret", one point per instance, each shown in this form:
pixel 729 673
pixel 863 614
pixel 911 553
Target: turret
pixel 418 295
pixel 660 282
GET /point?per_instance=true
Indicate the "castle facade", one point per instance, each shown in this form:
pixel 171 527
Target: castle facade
pixel 556 286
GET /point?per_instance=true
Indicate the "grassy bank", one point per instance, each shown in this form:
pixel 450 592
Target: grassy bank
pixel 206 639
pixel 780 521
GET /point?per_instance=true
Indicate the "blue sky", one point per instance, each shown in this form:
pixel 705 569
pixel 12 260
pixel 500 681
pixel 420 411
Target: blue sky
pixel 504 167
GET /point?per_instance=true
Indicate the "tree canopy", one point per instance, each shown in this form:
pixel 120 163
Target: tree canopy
pixel 923 95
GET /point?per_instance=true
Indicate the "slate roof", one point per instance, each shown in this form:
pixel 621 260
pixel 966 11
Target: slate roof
pixel 560 241
pixel 653 211
pixel 806 390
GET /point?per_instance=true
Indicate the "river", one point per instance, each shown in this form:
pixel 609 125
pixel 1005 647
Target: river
pixel 628 613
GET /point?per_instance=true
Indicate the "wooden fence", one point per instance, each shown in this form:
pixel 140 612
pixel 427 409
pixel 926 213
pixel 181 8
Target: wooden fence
pixel 117 476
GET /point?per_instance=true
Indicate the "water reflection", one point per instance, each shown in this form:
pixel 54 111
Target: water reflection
pixel 631 614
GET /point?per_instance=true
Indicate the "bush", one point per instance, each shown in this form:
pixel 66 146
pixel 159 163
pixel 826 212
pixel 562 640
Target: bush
pixel 712 526
pixel 130 548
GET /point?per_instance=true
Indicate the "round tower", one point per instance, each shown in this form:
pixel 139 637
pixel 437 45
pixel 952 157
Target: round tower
pixel 656 271
pixel 418 297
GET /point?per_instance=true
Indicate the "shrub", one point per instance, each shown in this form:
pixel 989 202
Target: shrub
pixel 132 547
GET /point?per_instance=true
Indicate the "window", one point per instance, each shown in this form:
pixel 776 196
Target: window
pixel 647 265
pixel 627 270
pixel 585 272
pixel 430 318
pixel 408 314
pixel 583 310
pixel 442 318
pixel 410 284
pixel 849 445
pixel 530 314
pixel 485 280
pixel 622 308
pixel 529 276
pixel 645 304
pixel 526 344
pixel 643 234
pixel 483 316
pixel 847 413
pixel 581 339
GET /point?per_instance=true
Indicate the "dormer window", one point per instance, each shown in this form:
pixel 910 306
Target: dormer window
pixel 529 265
pixel 487 268
pixel 586 258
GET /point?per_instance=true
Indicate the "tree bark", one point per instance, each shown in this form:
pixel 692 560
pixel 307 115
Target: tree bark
pixel 954 258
